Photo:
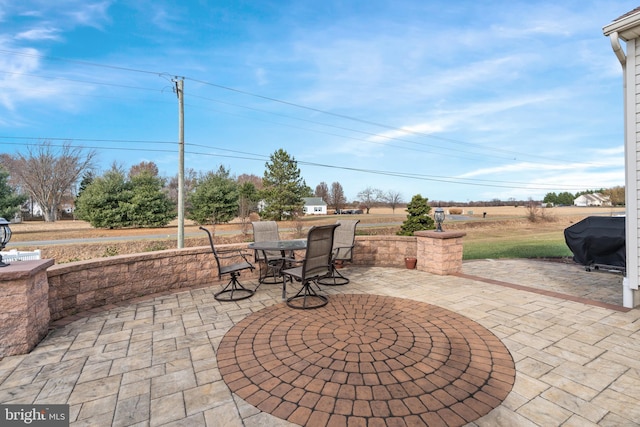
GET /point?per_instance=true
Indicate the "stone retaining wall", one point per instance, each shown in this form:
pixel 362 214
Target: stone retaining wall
pixel 33 293
pixel 384 251
pixel 83 285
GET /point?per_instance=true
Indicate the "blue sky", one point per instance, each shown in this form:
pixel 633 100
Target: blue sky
pixel 461 101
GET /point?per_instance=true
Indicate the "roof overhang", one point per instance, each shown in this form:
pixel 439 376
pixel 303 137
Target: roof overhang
pixel 627 26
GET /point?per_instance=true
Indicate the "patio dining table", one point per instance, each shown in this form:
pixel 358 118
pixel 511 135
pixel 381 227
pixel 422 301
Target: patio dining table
pixel 284 246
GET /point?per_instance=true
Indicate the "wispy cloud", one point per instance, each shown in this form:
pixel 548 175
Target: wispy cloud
pixel 508 92
pixel 93 14
pixel 39 34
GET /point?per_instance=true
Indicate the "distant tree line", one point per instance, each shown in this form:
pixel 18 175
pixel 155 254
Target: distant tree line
pixel 615 194
pixel 53 177
pixel 139 197
pixel 142 199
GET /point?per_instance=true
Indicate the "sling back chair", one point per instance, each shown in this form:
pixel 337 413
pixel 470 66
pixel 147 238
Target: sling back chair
pixel 269 262
pixel 233 291
pixel 315 265
pixel 343 243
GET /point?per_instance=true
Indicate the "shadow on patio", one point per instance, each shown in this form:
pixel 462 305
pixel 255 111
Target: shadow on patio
pixel 153 361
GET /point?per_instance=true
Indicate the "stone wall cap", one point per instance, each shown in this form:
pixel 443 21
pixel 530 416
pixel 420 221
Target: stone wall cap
pixel 432 234
pixel 21 269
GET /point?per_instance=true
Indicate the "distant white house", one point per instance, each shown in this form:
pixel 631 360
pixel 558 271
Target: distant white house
pixel 33 208
pixel 314 206
pixel 595 199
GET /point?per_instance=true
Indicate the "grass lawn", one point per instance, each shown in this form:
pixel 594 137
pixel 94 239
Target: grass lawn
pixel 516 248
pixel 542 241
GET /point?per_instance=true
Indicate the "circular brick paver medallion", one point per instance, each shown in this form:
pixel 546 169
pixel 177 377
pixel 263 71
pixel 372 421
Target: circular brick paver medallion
pixel 366 360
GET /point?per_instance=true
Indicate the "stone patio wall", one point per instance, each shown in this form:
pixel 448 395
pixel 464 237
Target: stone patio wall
pixel 83 285
pixel 384 251
pixel 24 308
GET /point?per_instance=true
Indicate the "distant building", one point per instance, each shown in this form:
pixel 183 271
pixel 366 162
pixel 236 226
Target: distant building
pixel 31 208
pixel 595 199
pixel 314 206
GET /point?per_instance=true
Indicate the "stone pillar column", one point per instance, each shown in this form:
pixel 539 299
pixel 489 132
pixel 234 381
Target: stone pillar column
pixel 24 306
pixel 439 252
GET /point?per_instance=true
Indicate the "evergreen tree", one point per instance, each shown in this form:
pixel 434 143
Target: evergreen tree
pixel 9 201
pixel 248 199
pixel 112 201
pixel 550 198
pixel 105 202
pixel 151 206
pixel 215 198
pixel 565 198
pixel 87 178
pixel 283 188
pixel 418 216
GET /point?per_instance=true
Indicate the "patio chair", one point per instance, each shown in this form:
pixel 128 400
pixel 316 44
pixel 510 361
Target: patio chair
pixel 269 262
pixel 315 265
pixel 233 291
pixel 343 243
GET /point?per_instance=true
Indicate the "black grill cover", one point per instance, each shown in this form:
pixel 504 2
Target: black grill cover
pixel 597 240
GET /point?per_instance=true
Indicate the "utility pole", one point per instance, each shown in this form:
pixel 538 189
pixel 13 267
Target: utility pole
pixel 180 92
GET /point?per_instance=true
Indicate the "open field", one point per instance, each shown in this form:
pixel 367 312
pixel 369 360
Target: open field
pixel 505 231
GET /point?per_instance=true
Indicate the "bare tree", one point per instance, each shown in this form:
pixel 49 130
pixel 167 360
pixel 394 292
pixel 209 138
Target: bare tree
pixel 49 173
pixel 254 179
pixel 616 195
pixel 322 191
pixel 150 167
pixel 393 198
pixel 190 182
pixel 336 197
pixel 369 197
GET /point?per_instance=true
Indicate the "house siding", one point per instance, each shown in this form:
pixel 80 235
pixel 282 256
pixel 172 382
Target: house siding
pixel 632 148
pixel 627 29
pixel 314 206
pixel 595 199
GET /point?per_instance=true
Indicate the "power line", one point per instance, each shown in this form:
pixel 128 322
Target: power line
pixel 390 138
pixel 296 105
pixel 81 81
pixel 258 157
pixel 368 141
pixel 453 180
pixel 75 61
pixel 355 119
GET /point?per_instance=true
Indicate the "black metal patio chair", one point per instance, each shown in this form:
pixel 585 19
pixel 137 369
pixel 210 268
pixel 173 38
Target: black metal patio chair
pixel 233 291
pixel 315 265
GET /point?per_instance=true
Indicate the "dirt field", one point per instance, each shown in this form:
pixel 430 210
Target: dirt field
pixel 499 220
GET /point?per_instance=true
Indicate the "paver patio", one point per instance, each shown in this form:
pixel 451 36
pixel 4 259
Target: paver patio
pixel 153 361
